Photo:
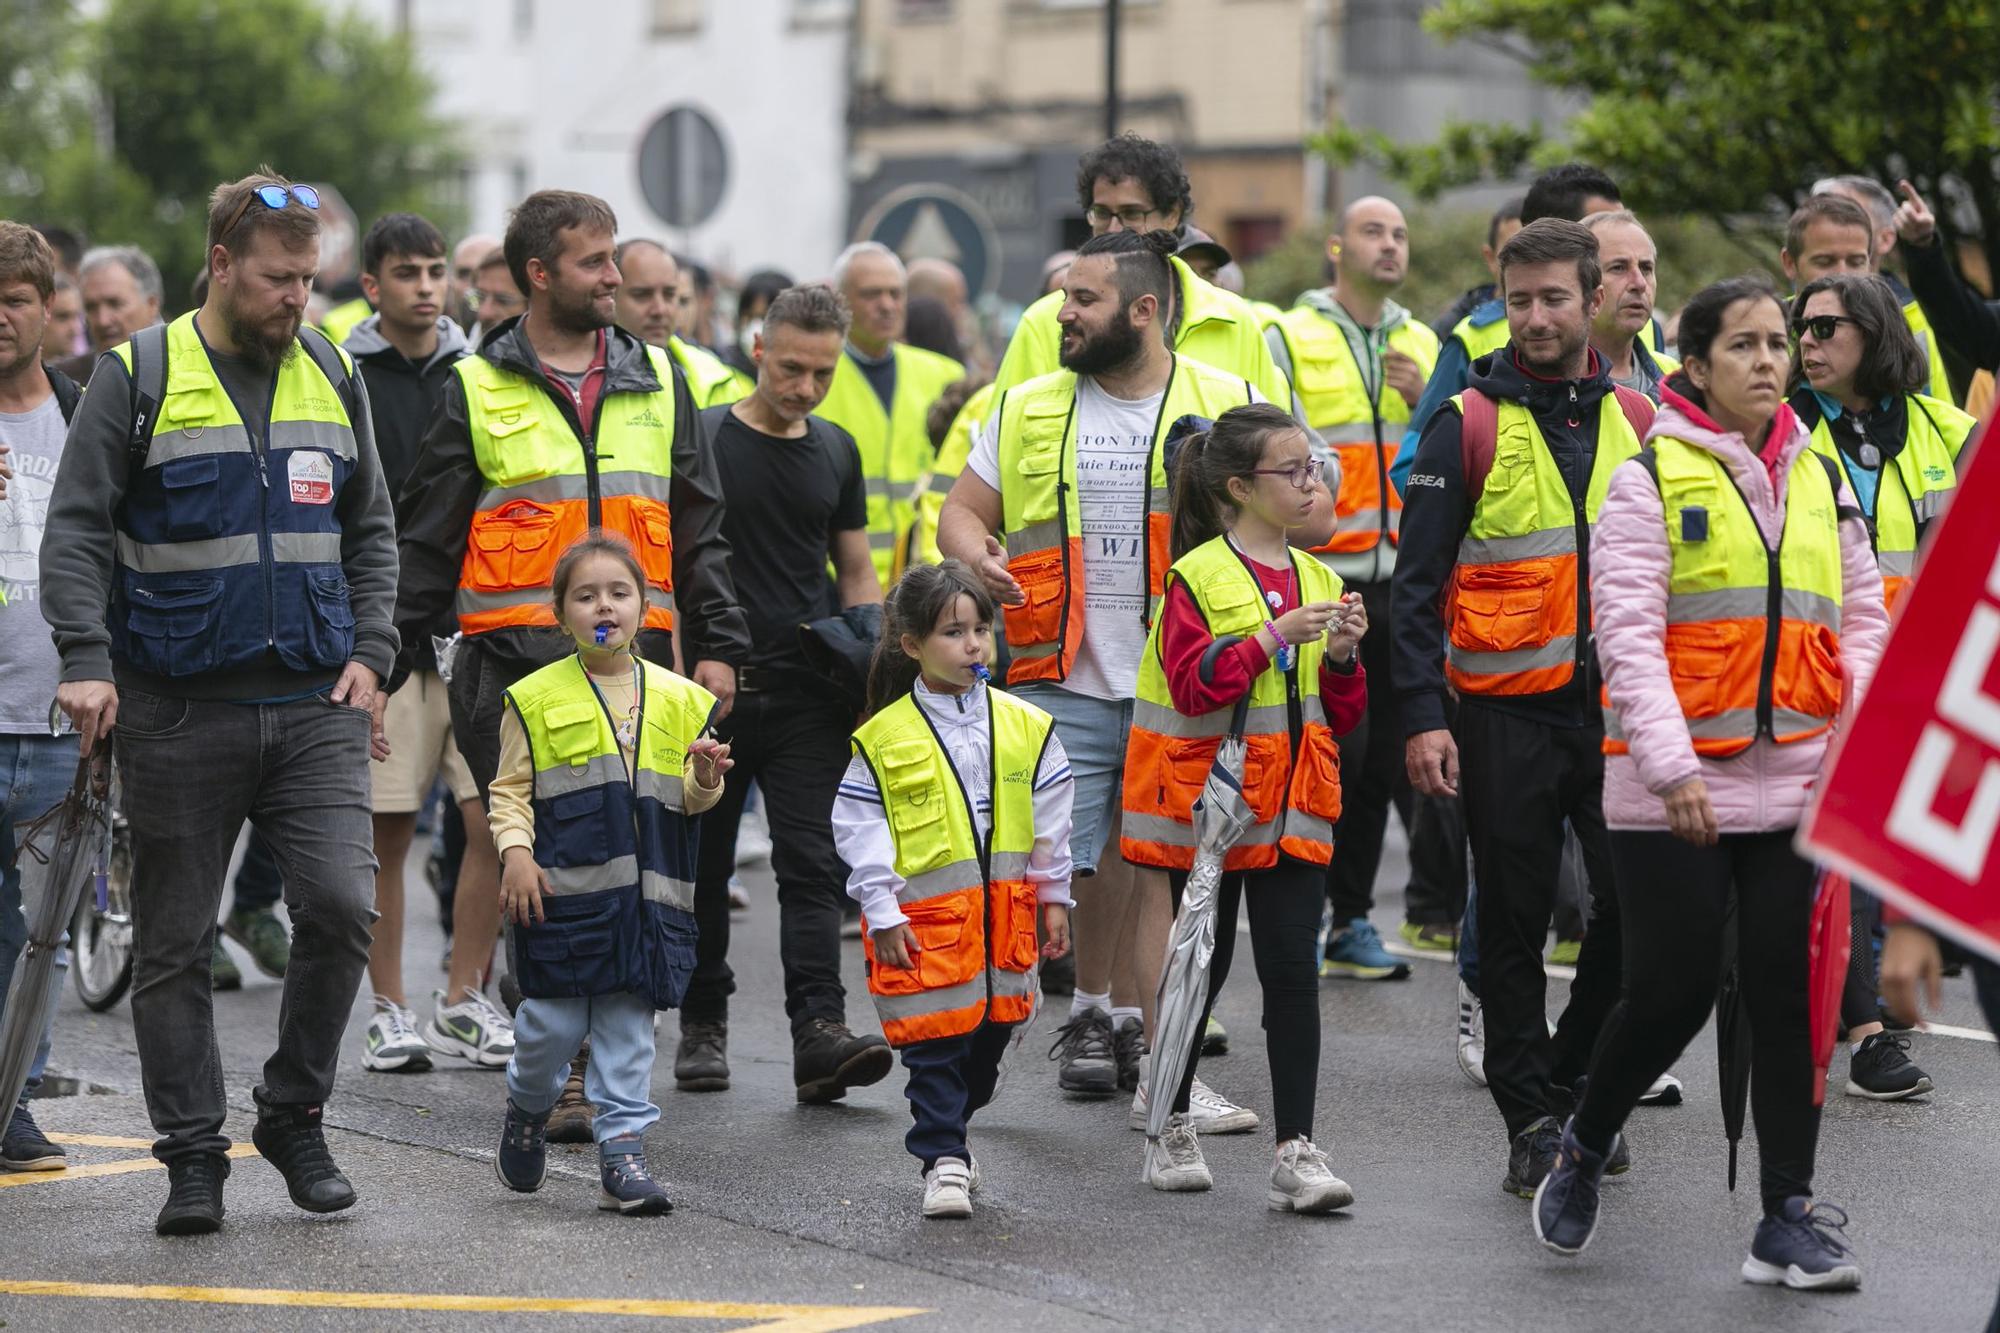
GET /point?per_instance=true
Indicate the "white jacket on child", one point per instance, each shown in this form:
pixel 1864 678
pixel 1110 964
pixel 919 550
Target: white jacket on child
pixel 861 831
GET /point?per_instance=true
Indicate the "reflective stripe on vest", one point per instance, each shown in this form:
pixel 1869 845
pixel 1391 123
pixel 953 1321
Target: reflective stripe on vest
pixel 975 929
pixel 1293 788
pixel 1911 491
pixel 1936 382
pixel 228 540
pixel 536 499
pixel 1361 434
pixel 895 445
pixel 1517 595
pixel 1752 638
pixel 1042 521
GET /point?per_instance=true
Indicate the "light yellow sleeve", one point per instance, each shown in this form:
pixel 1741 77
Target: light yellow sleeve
pixel 512 812
pixel 696 797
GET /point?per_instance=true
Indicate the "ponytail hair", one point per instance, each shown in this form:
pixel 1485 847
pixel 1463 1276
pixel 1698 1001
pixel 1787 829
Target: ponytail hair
pixel 1232 447
pixel 913 607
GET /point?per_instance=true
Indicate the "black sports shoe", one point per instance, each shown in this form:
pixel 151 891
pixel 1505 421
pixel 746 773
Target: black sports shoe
pixel 702 1062
pixel 289 1138
pixel 25 1148
pixel 1086 1055
pixel 1882 1071
pixel 523 1160
pixel 194 1195
pixel 827 1060
pixel 1128 1043
pixel 1532 1154
pixel 1058 976
pixel 1566 1203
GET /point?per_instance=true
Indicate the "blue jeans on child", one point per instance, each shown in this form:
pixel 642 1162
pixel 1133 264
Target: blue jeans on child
pixel 35 774
pixel 620 1078
pixel 950 1078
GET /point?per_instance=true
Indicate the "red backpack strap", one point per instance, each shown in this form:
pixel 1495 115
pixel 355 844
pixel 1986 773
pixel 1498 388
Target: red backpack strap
pixel 1638 410
pixel 1478 434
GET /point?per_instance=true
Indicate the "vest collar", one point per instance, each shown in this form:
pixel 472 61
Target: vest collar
pixel 628 365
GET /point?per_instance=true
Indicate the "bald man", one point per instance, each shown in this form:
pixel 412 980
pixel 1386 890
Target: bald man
pixel 647 303
pixel 459 302
pixel 1360 361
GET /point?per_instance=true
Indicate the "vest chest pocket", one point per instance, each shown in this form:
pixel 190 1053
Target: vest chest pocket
pixel 1322 374
pixel 572 729
pixel 1233 606
pixel 1498 608
pixel 512 547
pixel 191 498
pixel 914 792
pixel 510 416
pixel 171 624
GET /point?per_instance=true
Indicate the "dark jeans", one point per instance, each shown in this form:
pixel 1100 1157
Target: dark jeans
pixel 258 884
pixel 794 745
pixel 1676 896
pixel 950 1079
pixel 1858 1003
pixel 1372 772
pixel 1284 942
pixel 193 772
pixel 1520 780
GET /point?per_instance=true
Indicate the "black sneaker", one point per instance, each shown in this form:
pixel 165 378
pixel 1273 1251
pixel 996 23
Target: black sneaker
pixel 26 1148
pixel 1128 1043
pixel 1882 1071
pixel 1566 1202
pixel 1058 976
pixel 289 1138
pixel 1804 1247
pixel 523 1160
pixel 827 1060
pixel 1531 1155
pixel 194 1195
pixel 702 1062
pixel 1086 1055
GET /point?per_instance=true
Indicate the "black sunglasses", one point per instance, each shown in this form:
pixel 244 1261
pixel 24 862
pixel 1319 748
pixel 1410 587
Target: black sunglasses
pixel 1821 326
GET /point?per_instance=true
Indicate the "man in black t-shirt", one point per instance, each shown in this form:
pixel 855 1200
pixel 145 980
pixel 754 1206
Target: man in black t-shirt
pixel 793 496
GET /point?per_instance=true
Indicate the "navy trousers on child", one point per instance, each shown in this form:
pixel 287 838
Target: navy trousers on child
pixel 950 1078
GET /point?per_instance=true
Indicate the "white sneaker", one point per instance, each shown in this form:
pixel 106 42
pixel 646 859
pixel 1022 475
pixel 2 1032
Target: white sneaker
pixel 739 896
pixel 753 838
pixel 391 1043
pixel 1666 1091
pixel 474 1030
pixel 1471 1035
pixel 1301 1181
pixel 1208 1110
pixel 948 1189
pixel 972 1166
pixel 1174 1162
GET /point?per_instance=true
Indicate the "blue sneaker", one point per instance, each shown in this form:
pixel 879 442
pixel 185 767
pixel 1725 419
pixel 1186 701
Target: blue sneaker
pixel 628 1189
pixel 1805 1248
pixel 523 1160
pixel 1566 1200
pixel 1356 951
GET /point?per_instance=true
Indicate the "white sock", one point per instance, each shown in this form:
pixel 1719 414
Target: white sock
pixel 1121 1014
pixel 1083 1002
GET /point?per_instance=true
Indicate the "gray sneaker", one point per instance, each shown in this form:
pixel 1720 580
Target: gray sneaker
pixel 1087 1061
pixel 1174 1162
pixel 1302 1182
pixel 474 1030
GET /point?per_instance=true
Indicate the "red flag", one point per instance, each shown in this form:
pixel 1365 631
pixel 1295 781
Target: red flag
pixel 1830 942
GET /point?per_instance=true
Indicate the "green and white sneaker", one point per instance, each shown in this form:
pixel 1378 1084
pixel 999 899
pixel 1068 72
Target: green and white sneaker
pixel 391 1043
pixel 474 1030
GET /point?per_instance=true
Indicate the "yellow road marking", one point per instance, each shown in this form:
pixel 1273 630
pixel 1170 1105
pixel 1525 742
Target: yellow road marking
pixel 100 1168
pixel 768 1318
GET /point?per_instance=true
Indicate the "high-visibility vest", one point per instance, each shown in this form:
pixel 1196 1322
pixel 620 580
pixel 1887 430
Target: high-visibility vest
pixel 228 537
pixel 712 383
pixel 1479 336
pixel 1517 596
pixel 968 900
pixel 1291 767
pixel 1363 435
pixel 1938 385
pixel 342 319
pixel 1724 607
pixel 895 445
pixel 1042 523
pixel 1913 489
pixel 543 488
pixel 952 456
pixel 619 848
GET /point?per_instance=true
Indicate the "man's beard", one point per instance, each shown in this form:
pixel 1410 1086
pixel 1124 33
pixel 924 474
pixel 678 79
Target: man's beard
pixel 1106 351
pixel 576 315
pixel 1565 358
pixel 258 344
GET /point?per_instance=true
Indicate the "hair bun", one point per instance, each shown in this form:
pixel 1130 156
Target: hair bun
pixel 1163 243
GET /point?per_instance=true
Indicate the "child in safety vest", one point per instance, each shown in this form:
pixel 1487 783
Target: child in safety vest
pixel 604 763
pixel 1248 619
pixel 954 816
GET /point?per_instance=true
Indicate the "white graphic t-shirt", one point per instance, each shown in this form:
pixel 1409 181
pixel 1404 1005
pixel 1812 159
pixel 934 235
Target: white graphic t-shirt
pixel 29 664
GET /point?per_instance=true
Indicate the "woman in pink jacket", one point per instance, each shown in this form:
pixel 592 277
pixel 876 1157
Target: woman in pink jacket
pixel 1725 534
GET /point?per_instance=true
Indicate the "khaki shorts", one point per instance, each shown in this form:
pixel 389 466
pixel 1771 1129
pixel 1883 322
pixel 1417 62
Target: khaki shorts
pixel 420 749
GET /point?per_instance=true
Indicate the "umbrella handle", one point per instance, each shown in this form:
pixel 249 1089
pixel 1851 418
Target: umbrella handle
pixel 1240 716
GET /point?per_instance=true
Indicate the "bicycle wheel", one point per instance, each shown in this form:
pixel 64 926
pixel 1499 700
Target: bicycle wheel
pixel 101 942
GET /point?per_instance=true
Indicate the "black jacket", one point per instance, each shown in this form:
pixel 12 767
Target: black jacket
pixel 443 490
pixel 403 395
pixel 1437 510
pixel 1967 324
pixel 1468 301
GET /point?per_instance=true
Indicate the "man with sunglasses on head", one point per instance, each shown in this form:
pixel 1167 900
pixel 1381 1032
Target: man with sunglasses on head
pixel 219 571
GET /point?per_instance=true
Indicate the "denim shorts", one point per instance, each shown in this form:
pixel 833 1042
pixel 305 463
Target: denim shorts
pixel 1093 733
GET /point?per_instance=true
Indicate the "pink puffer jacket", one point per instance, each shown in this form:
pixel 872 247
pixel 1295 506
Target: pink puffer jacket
pixel 1766 786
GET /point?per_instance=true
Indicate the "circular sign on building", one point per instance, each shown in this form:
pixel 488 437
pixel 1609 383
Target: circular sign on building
pixel 927 221
pixel 683 167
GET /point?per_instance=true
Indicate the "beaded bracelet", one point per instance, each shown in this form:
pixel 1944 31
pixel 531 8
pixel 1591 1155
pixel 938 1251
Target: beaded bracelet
pixel 1285 655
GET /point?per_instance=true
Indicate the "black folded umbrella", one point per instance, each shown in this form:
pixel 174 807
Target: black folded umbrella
pixel 839 648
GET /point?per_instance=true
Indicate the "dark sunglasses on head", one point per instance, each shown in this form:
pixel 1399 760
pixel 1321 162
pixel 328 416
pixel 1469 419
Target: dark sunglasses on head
pixel 1821 326
pixel 275 197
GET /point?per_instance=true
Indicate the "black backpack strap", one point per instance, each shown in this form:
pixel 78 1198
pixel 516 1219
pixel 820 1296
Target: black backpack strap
pixel 1835 480
pixel 1651 462
pixel 67 391
pixel 331 364
pixel 149 389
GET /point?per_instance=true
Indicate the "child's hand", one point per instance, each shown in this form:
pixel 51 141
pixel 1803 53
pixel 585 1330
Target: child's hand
pixel 1303 624
pixel 522 884
pixel 1055 924
pixel 711 760
pixel 1349 624
pixel 896 946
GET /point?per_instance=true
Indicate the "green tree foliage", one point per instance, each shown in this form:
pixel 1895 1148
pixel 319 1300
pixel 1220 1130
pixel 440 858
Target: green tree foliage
pixel 146 108
pixel 1731 111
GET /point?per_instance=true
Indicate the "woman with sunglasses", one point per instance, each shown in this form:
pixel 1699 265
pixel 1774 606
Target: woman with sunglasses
pixel 1246 617
pixel 1721 690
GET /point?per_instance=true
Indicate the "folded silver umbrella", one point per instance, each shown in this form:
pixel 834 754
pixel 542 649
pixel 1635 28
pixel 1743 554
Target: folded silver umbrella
pixel 55 852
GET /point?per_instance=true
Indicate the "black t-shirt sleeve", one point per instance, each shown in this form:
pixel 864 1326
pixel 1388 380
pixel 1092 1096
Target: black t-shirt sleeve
pixel 850 509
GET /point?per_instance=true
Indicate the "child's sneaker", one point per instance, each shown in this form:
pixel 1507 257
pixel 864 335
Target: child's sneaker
pixel 628 1189
pixel 1302 1182
pixel 1174 1161
pixel 523 1160
pixel 1803 1247
pixel 948 1189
